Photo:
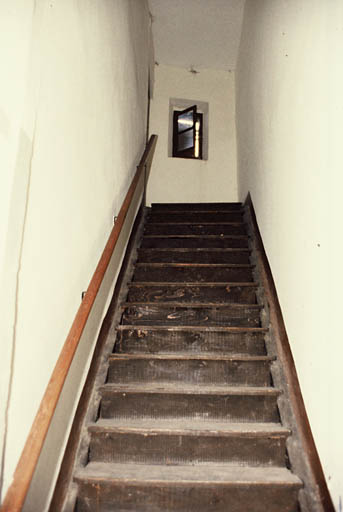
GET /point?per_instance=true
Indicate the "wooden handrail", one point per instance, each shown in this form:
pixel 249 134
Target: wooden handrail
pixel 23 474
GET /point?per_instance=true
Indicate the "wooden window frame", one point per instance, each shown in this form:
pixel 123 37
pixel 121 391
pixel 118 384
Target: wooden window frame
pixel 189 152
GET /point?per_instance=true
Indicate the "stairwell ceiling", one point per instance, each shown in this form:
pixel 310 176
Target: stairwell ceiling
pixel 196 34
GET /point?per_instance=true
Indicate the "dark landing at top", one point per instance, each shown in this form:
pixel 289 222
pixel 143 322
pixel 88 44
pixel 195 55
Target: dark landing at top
pixel 196 207
pixel 195 216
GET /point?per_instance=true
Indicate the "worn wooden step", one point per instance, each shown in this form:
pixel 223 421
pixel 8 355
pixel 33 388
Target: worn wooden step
pixel 200 272
pixel 190 369
pixel 106 487
pixel 188 207
pixel 195 241
pixel 195 216
pixel 168 255
pixel 219 293
pixel 240 315
pixel 188 442
pixel 189 340
pixel 228 228
pixel 154 400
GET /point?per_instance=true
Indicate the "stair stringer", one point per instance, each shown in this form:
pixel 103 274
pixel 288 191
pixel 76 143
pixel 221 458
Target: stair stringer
pixel 101 362
pixel 310 497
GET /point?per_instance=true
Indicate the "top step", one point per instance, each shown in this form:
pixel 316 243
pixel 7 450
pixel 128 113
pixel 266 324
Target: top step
pixel 196 207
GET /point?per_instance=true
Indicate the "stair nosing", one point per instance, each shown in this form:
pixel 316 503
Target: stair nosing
pixel 195 428
pixel 191 357
pixel 229 475
pixel 189 389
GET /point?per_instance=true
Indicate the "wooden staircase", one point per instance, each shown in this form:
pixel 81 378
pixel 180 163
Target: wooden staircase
pixel 188 417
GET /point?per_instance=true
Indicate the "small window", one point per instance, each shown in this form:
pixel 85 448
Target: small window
pixel 187 133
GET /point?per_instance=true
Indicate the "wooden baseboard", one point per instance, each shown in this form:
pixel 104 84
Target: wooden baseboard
pixel 285 356
pixel 66 469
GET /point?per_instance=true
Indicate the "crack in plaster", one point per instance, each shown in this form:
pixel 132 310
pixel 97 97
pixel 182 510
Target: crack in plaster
pixel 15 319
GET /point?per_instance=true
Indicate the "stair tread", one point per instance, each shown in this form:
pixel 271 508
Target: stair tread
pixel 182 427
pixel 192 284
pixel 202 203
pixel 197 249
pixel 199 209
pixel 198 474
pixel 189 389
pixel 193 223
pixel 188 426
pixel 196 236
pixel 197 357
pixel 222 356
pixel 212 265
pixel 194 207
pixel 208 328
pixel 195 305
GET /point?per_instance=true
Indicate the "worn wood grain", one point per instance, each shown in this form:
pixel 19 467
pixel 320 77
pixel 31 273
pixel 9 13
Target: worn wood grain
pixel 223 372
pixel 196 217
pixel 182 273
pixel 159 314
pixel 193 256
pixel 213 402
pixel 194 241
pixel 141 339
pixel 153 446
pixel 201 293
pixel 196 229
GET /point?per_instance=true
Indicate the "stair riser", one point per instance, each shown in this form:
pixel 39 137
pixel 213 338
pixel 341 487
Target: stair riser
pixel 152 256
pixel 195 229
pixel 190 371
pixel 195 294
pixel 157 448
pixel 189 207
pixel 170 274
pixel 223 316
pixel 102 496
pixel 169 342
pixel 246 408
pixel 196 217
pixel 193 243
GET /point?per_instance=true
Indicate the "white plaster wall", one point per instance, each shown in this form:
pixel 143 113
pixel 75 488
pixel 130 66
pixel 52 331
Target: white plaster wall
pixel 187 180
pixel 73 105
pixel 15 36
pixel 289 83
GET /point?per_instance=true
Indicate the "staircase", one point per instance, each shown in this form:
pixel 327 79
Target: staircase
pixel 188 417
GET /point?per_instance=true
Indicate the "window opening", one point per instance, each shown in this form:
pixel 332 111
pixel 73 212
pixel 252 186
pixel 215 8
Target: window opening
pixel 187 133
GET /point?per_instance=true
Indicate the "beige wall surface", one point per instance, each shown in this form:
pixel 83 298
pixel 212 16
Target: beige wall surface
pixel 188 180
pixel 73 105
pixel 289 83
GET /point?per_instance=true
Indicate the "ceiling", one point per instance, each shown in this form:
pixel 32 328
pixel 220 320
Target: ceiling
pixel 197 33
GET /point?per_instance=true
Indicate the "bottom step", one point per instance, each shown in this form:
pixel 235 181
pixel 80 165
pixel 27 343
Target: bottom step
pixel 210 488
